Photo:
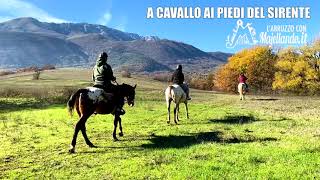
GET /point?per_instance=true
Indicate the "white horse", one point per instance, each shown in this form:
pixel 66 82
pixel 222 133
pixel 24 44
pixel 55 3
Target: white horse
pixel 176 94
pixel 242 90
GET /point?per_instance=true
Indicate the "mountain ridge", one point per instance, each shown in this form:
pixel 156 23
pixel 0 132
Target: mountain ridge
pixel 78 44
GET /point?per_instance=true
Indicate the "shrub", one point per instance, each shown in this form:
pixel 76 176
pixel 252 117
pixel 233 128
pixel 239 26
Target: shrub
pixel 4 73
pixel 163 77
pixel 29 69
pixel 36 75
pixel 203 82
pixel 125 74
pixel 48 67
pixel 42 94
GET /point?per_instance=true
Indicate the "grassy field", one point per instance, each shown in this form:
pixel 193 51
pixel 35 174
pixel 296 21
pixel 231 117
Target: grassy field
pixel 263 137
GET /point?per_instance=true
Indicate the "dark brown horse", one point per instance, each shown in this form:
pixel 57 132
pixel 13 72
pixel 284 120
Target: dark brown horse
pixel 92 100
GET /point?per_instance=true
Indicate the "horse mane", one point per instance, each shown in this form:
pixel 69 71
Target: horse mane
pixel 125 85
pixel 124 89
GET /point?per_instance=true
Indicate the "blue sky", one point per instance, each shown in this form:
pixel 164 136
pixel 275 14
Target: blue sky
pixel 130 16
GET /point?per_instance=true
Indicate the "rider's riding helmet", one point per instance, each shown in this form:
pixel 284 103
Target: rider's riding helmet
pixel 179 67
pixel 104 55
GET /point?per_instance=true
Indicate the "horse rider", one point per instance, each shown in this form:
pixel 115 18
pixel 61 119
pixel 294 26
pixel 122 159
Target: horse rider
pixel 178 78
pixel 243 79
pixel 103 77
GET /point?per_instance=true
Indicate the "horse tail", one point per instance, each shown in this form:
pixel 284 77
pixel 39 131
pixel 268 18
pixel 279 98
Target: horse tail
pixel 170 91
pixel 72 100
pixel 167 92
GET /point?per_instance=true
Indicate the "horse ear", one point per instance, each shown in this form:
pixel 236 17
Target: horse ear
pixel 135 86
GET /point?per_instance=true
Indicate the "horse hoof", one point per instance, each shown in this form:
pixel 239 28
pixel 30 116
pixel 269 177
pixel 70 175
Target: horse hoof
pixel 92 146
pixel 115 139
pixel 72 151
pixel 168 122
pixel 121 134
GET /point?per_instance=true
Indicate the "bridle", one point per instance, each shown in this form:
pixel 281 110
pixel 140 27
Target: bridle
pixel 125 98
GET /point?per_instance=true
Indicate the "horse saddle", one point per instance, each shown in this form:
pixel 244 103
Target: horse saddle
pixel 183 86
pixel 99 95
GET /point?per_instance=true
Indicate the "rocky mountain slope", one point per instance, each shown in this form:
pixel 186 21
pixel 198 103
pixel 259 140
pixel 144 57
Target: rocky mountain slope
pixel 27 41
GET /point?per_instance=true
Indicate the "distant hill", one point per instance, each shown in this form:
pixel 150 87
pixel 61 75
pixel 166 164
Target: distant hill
pixel 21 49
pixel 135 63
pixel 27 41
pixel 221 55
pixel 65 29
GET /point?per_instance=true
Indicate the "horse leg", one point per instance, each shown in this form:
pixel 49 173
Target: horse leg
pixel 168 106
pixel 120 127
pixel 78 127
pixel 186 104
pixel 115 123
pixel 178 110
pixel 175 114
pixel 84 133
pixel 242 95
pixel 240 91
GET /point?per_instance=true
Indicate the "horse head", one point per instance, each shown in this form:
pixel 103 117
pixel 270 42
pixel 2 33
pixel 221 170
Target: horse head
pixel 128 92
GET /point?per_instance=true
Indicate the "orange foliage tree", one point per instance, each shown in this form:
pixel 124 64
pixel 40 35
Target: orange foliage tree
pixel 298 70
pixel 256 63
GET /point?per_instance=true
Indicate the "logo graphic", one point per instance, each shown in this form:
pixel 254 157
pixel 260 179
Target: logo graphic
pixel 276 34
pixel 242 35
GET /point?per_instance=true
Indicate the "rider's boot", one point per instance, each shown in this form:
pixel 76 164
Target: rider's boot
pixel 188 97
pixel 120 111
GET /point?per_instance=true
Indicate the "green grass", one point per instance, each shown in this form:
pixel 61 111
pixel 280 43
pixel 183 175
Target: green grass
pixel 262 137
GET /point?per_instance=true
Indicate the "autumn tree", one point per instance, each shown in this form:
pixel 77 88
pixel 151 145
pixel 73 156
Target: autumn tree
pixel 312 54
pixel 258 65
pixel 298 70
pixel 226 78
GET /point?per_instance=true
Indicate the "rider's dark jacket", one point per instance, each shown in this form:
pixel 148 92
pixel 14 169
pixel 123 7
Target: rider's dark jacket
pixel 102 73
pixel 177 77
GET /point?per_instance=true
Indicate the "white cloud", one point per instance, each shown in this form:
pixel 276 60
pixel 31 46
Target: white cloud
pixel 121 22
pixel 10 9
pixel 105 19
pixel 115 22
